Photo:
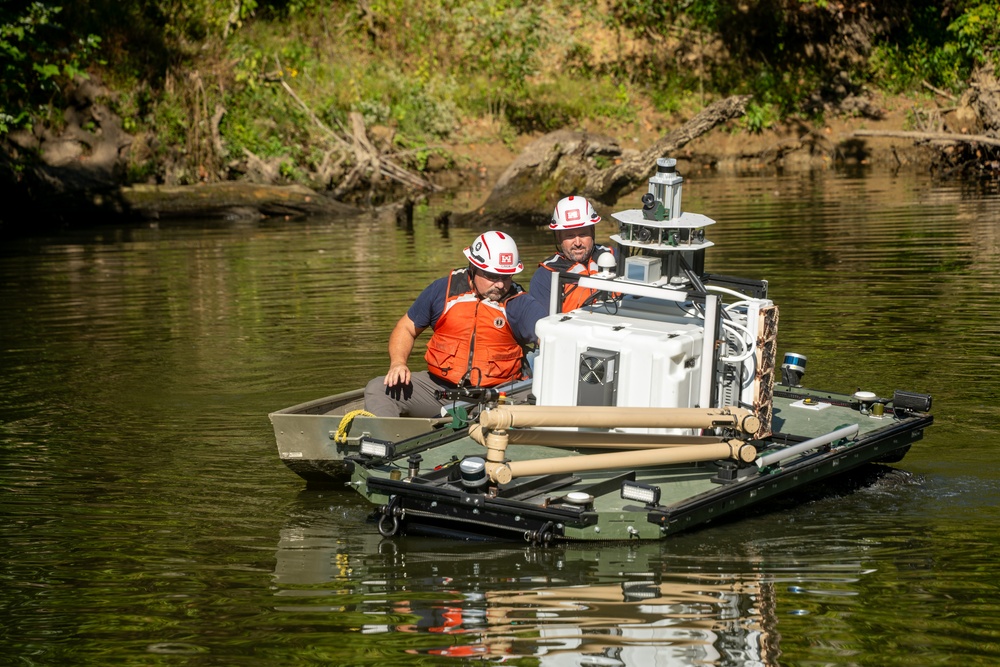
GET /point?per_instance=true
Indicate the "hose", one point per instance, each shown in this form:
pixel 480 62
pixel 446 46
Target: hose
pixel 749 344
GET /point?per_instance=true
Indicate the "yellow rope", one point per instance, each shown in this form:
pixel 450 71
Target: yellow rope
pixel 345 423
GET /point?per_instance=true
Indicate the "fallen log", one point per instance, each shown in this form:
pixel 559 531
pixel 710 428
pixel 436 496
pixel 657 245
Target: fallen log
pixel 227 200
pixel 608 184
pixel 566 162
pixel 930 136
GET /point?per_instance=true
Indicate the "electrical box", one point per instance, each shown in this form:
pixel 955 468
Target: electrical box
pixel 642 269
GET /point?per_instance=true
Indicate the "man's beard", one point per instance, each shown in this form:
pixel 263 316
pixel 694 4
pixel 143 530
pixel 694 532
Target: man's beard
pixel 494 293
pixel 578 254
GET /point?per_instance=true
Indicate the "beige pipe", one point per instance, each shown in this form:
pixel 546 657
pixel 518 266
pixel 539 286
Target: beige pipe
pixel 593 439
pixel 605 416
pixel 496 447
pixel 734 449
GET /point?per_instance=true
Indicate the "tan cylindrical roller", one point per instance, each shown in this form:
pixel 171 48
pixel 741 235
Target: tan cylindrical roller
pixel 594 439
pixel 604 416
pixel 734 449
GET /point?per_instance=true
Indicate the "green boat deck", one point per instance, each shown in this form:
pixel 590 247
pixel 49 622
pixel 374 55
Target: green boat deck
pixel 690 494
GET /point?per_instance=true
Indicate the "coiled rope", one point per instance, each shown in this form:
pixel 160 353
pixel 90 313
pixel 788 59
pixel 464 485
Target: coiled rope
pixel 345 423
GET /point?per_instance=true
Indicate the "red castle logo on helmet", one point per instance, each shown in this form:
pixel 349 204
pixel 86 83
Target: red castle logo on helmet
pixel 573 214
pixel 506 258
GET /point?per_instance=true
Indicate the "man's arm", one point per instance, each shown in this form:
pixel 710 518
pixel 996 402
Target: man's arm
pixel 524 312
pixel 540 287
pixel 400 345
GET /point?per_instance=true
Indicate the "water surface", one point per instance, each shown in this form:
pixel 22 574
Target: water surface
pixel 148 519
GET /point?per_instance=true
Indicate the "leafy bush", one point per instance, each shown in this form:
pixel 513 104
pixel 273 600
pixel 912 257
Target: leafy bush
pixel 758 117
pixel 420 107
pixel 38 57
pixel 549 105
pixel 977 32
pixel 424 67
pixel 500 40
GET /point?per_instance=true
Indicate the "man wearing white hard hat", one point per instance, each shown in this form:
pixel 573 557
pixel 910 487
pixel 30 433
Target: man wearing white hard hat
pixel 573 222
pixel 481 321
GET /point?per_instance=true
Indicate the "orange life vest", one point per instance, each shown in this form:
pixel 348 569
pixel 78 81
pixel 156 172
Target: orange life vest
pixel 575 296
pixel 473 341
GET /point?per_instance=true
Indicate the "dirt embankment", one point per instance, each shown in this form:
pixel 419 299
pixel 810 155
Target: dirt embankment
pixel 796 145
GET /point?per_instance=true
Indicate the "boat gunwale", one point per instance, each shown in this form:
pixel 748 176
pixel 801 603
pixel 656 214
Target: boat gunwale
pixel 308 408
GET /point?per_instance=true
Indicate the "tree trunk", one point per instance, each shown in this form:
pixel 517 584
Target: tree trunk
pixel 227 199
pixel 565 162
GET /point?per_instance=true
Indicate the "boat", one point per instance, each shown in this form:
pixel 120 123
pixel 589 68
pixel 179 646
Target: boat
pixel 656 407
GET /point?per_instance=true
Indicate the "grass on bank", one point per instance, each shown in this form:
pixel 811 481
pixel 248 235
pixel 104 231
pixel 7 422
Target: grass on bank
pixel 226 88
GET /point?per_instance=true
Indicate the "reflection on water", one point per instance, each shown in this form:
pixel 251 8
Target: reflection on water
pixel 568 605
pixel 146 513
pixel 838 576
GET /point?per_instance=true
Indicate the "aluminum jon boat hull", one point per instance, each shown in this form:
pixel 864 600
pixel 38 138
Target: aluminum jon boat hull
pixel 313 440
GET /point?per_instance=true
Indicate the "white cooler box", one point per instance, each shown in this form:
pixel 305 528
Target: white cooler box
pixel 594 358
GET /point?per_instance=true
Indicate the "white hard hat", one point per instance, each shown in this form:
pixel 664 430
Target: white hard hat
pixel 495 252
pixel 573 212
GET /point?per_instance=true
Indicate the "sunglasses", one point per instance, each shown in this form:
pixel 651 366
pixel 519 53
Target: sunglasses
pixel 495 277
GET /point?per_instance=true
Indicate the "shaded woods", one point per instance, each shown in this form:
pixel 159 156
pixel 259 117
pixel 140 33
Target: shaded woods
pixel 116 108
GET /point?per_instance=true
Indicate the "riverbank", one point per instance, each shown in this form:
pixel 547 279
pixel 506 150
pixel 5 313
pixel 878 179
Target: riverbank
pixel 79 182
pixel 793 145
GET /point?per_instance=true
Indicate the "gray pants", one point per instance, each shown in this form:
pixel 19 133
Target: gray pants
pixel 409 400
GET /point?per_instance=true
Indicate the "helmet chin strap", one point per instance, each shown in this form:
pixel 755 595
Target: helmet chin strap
pixel 473 272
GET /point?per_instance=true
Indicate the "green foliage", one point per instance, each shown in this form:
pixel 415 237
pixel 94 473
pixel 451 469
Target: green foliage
pixel 977 32
pixel 171 121
pixel 921 51
pixel 416 155
pixel 578 60
pixel 897 69
pixel 759 117
pixel 248 66
pixel 501 39
pixel 289 171
pixel 417 106
pixel 794 56
pixel 563 101
pixel 720 48
pixel 630 14
pixel 424 67
pixel 670 92
pixel 420 50
pixel 375 112
pixel 274 10
pixel 621 108
pixel 38 57
pixel 252 123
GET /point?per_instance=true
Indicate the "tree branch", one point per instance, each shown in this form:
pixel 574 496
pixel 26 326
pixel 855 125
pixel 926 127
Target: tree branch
pixel 931 136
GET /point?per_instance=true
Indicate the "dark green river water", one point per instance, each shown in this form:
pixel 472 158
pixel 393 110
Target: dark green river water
pixel 147 520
